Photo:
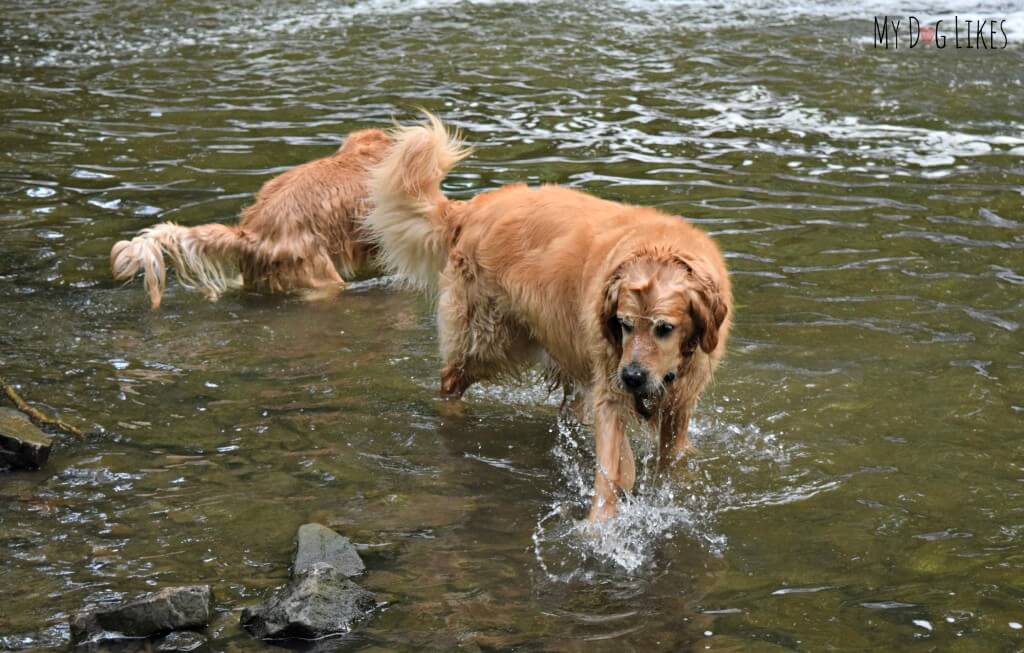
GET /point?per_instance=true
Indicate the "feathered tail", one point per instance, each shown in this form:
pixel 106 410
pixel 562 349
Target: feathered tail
pixel 407 221
pixel 204 257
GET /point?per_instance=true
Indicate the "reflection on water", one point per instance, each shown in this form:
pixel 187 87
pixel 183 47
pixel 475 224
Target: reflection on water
pixel 856 479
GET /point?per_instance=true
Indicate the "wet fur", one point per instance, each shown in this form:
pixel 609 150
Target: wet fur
pixel 302 232
pixel 529 273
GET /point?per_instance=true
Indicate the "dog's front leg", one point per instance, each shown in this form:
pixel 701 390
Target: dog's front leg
pixel 674 440
pixel 609 435
pixel 627 466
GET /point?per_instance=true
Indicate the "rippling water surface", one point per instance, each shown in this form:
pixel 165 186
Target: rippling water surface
pixel 858 479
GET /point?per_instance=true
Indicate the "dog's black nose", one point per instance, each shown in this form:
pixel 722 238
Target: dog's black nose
pixel 633 376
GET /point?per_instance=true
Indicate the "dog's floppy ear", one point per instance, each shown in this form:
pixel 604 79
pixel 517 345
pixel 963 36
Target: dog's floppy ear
pixel 609 311
pixel 707 310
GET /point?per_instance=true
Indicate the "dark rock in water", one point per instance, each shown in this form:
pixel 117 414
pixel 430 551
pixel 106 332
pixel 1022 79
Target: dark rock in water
pixel 318 543
pixel 320 600
pixel 182 640
pixel 22 445
pixel 173 608
pixel 317 603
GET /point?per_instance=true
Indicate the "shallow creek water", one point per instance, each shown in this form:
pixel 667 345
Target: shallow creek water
pixel 859 473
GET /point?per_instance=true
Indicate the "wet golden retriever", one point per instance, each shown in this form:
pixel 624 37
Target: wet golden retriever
pixel 629 304
pixel 302 233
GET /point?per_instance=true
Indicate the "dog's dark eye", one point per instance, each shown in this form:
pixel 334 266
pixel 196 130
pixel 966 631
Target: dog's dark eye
pixel 626 325
pixel 662 329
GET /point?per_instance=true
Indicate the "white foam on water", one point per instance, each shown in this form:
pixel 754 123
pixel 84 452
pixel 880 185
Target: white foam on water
pixel 755 119
pixel 531 391
pixel 756 108
pixel 685 503
pixel 749 13
pixel 245 27
pixel 241 27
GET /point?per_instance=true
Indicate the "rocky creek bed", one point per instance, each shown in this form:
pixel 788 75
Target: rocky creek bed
pixel 320 600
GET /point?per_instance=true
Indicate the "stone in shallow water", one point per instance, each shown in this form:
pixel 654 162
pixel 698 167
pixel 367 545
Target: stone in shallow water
pixel 172 608
pixel 22 445
pixel 318 543
pixel 182 640
pixel 317 603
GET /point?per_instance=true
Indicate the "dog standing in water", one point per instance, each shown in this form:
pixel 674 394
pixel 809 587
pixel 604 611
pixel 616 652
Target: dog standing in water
pixel 303 232
pixel 627 303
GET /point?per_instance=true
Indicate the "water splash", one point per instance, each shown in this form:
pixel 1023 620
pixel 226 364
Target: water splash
pixel 568 548
pixel 685 503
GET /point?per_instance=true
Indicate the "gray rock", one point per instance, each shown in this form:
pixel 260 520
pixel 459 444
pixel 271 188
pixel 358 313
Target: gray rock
pixel 172 608
pixel 318 543
pixel 317 603
pixel 22 445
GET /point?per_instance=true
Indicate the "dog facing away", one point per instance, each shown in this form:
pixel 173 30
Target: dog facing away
pixel 303 232
pixel 629 304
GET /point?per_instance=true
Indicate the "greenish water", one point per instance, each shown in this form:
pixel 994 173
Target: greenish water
pixel 858 484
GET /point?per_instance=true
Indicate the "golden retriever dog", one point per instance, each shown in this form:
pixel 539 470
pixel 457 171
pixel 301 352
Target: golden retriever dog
pixel 301 233
pixel 630 305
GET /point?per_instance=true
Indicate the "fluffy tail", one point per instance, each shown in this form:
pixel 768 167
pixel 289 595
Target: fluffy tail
pixel 204 257
pixel 407 221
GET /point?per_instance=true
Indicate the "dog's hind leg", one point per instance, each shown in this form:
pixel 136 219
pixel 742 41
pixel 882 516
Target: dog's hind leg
pixel 311 278
pixel 468 353
pixel 321 293
pixel 454 333
pixel 478 340
pixel 455 380
pixel 321 280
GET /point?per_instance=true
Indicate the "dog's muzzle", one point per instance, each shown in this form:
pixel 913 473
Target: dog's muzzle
pixel 637 381
pixel 634 377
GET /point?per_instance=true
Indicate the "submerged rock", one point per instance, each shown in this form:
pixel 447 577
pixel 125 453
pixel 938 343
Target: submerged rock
pixel 318 544
pixel 182 640
pixel 172 608
pixel 22 444
pixel 179 641
pixel 316 603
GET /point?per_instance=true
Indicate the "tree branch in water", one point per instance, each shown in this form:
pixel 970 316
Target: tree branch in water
pixel 36 415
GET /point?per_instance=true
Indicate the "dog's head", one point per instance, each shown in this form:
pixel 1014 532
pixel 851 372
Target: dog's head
pixel 656 314
pixel 366 143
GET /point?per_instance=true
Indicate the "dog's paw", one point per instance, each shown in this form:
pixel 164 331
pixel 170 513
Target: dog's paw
pixel 601 511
